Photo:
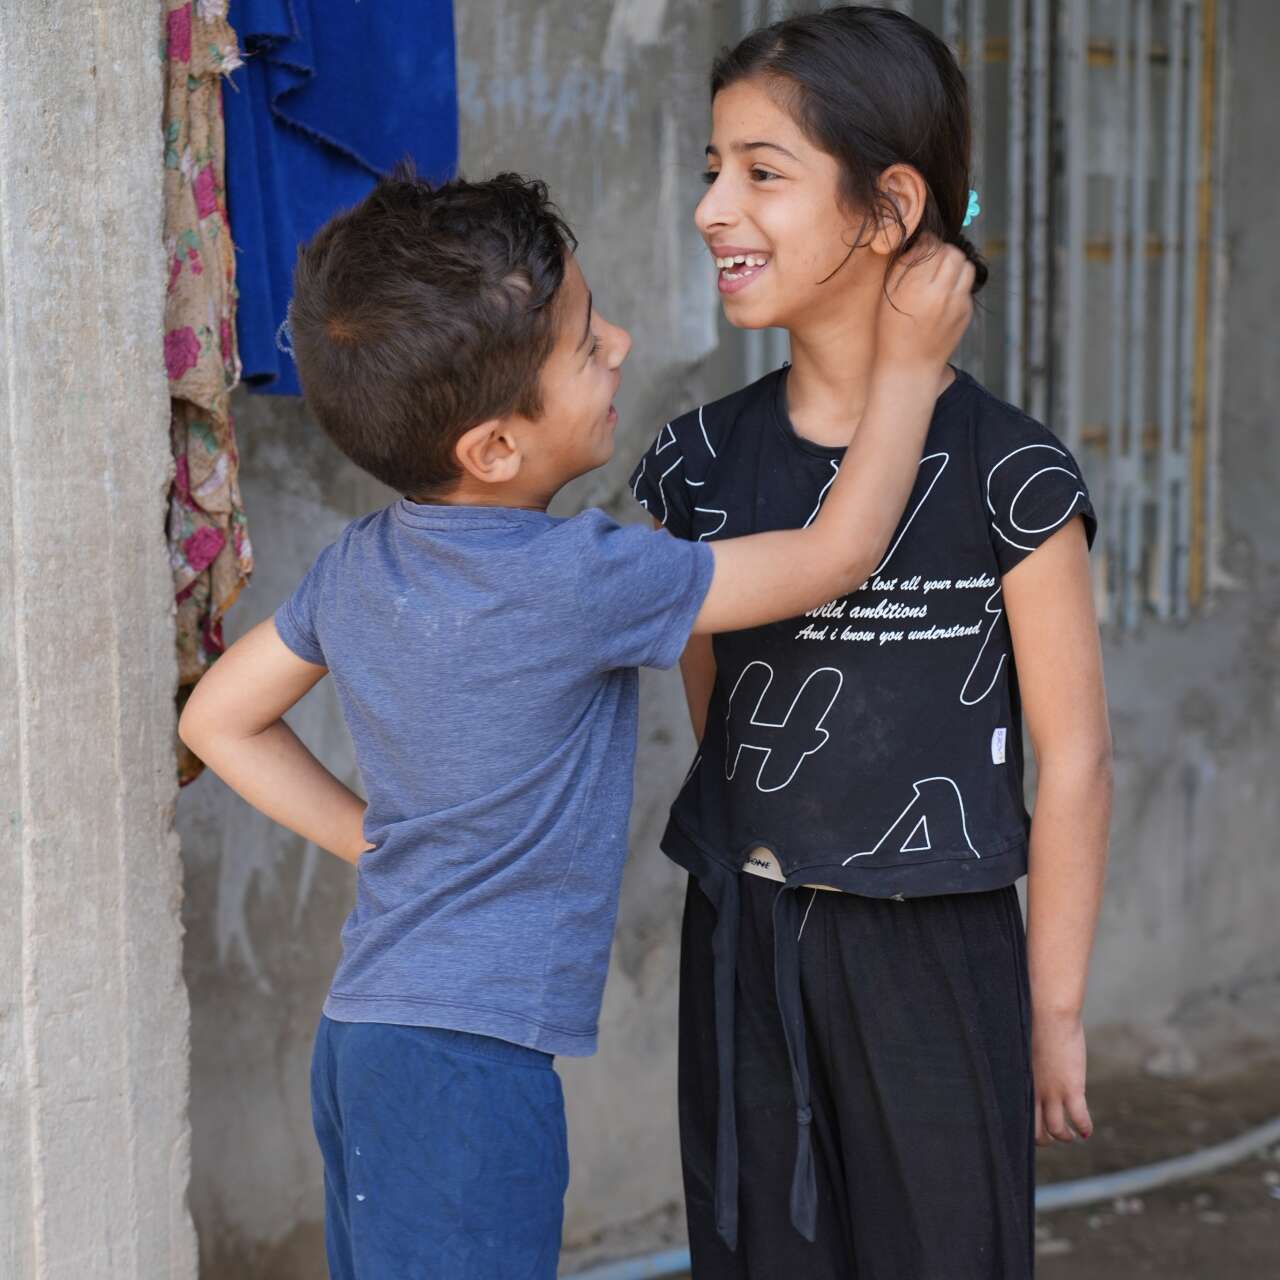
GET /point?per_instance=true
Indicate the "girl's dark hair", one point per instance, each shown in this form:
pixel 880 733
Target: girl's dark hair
pixel 873 88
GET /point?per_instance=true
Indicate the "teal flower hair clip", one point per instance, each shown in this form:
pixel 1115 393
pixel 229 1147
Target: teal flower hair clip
pixel 973 210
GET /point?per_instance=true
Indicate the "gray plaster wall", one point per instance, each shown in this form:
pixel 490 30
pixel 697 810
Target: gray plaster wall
pixel 607 101
pixel 1194 890
pixel 93 1012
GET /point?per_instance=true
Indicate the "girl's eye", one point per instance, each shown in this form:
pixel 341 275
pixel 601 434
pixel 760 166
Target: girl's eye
pixel 710 175
pixel 595 347
pixel 762 175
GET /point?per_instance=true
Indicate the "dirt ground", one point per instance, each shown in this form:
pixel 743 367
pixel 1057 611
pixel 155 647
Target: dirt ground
pixel 1223 1227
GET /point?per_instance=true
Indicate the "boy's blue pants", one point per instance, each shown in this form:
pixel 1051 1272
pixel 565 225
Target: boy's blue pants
pixel 444 1154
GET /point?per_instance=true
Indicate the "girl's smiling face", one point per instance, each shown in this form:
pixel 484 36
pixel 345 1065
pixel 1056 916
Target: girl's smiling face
pixel 772 216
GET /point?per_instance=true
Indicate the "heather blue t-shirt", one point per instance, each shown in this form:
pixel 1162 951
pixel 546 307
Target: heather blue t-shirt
pixel 485 660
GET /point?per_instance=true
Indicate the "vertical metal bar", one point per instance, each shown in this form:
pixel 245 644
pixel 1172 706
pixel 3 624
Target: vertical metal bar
pixel 1171 463
pixel 1075 145
pixel 951 23
pixel 1038 293
pixel 1119 488
pixel 1137 376
pixel 975 70
pixel 1217 311
pixel 762 349
pixel 1187 303
pixel 753 340
pixel 1198 456
pixel 1015 263
pixel 951 35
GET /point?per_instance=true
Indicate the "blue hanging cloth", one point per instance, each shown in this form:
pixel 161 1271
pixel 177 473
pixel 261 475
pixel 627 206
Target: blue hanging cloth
pixel 332 94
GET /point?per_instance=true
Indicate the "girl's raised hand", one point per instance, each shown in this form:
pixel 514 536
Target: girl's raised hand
pixel 926 308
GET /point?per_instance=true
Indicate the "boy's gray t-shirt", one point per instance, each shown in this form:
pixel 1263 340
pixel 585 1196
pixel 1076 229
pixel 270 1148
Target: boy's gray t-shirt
pixel 485 660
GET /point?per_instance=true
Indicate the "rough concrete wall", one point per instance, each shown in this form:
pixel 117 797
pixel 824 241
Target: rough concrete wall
pixel 93 1013
pixel 607 102
pixel 1194 891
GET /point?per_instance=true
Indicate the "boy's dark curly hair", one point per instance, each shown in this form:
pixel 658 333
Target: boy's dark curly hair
pixel 423 311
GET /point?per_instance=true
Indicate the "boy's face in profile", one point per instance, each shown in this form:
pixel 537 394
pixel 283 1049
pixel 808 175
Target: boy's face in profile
pixel 574 433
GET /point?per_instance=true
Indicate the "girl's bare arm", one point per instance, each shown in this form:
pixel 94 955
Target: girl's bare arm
pixel 698 671
pixel 1049 600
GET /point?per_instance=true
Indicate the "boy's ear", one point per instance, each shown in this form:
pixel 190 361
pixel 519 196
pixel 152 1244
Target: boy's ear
pixel 903 193
pixel 489 452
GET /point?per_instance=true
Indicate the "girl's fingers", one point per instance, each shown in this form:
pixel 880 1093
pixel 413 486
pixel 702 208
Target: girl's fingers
pixel 939 259
pixel 1055 1120
pixel 896 278
pixel 1078 1114
pixel 1042 1134
pixel 949 260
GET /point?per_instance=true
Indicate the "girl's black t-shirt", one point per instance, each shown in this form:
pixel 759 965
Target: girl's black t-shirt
pixel 874 744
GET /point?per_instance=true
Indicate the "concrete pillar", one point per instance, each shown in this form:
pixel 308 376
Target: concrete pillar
pixel 93 1011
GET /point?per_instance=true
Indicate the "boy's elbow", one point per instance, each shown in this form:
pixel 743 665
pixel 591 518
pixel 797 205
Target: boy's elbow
pixel 193 724
pixel 847 564
pixel 188 728
pixel 856 570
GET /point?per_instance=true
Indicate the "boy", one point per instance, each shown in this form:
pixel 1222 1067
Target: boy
pixel 485 657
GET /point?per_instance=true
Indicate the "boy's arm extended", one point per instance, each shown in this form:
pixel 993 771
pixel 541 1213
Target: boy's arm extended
pixel 1056 647
pixel 767 577
pixel 232 721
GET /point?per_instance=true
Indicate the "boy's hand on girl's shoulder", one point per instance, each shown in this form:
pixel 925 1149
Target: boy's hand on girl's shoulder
pixel 926 306
pixel 1058 1064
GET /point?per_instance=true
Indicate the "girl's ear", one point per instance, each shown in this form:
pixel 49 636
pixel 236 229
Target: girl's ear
pixel 903 194
pixel 489 452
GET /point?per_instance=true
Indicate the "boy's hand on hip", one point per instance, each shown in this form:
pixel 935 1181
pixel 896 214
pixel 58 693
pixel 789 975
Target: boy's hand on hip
pixel 1058 1062
pixel 926 307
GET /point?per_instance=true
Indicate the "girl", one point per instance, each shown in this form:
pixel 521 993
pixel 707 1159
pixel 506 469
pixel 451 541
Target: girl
pixel 870 1045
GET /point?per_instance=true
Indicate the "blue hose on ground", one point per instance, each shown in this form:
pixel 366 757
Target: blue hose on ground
pixel 1057 1195
pixel 651 1267
pixel 1146 1177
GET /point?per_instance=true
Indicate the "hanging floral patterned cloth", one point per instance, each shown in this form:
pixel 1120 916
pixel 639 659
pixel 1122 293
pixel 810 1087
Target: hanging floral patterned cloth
pixel 209 546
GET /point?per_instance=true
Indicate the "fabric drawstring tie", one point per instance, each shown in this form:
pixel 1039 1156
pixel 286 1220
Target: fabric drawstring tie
pixel 786 967
pixel 722 889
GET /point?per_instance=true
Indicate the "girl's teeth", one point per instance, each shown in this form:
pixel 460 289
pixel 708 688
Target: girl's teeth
pixel 749 260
